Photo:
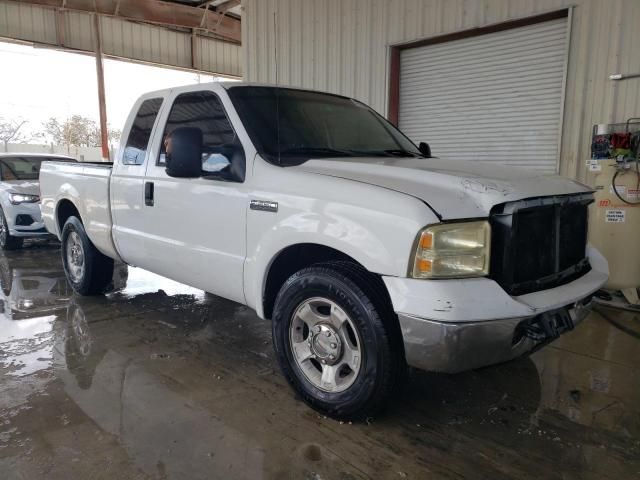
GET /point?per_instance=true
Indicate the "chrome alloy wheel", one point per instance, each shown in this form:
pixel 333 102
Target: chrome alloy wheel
pixel 75 257
pixel 325 344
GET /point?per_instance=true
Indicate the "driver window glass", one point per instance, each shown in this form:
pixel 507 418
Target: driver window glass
pixel 202 110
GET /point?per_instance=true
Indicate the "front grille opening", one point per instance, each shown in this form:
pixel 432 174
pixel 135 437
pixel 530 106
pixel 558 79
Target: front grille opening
pixel 534 244
pixel 573 235
pixel 539 243
pixel 24 220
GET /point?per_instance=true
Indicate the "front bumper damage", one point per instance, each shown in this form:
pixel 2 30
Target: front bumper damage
pixel 456 325
pixel 456 347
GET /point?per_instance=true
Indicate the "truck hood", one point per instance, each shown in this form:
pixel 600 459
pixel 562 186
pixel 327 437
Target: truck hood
pixel 453 189
pixel 28 187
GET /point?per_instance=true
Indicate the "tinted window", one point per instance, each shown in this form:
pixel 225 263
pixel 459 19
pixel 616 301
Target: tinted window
pixel 20 168
pixel 138 141
pixel 290 126
pixel 202 110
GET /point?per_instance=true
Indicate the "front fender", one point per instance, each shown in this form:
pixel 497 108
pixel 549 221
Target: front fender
pixel 380 240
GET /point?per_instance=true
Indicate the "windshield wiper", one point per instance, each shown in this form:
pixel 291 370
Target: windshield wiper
pixel 317 151
pixel 398 152
pixel 348 153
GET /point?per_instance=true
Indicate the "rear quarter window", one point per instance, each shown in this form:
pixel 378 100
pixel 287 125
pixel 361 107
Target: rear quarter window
pixel 137 144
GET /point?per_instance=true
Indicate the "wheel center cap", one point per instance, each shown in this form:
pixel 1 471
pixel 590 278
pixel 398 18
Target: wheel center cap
pixel 325 344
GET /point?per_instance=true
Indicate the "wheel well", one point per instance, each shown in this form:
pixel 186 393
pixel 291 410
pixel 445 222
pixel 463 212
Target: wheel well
pixel 65 210
pixel 292 259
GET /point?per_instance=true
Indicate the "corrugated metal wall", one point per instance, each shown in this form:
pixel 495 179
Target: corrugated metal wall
pixel 342 46
pixel 120 38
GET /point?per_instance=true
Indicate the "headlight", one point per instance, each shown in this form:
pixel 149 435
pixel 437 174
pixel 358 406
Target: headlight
pixel 453 250
pixel 18 198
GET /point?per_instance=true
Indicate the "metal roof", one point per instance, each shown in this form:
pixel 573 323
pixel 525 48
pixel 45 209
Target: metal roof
pixel 227 7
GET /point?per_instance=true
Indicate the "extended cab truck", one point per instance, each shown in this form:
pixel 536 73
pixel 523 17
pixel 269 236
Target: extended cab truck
pixel 310 208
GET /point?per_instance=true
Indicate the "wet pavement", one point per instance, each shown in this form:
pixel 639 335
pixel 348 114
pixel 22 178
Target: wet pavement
pixel 157 380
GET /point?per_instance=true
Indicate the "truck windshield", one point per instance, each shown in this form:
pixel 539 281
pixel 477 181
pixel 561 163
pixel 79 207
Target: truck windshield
pixel 290 126
pixel 20 168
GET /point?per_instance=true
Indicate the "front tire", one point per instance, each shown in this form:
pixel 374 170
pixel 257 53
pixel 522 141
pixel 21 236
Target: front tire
pixel 88 271
pixel 337 340
pixel 8 241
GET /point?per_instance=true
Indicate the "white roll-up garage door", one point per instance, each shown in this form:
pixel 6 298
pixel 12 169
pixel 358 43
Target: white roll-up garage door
pixel 495 97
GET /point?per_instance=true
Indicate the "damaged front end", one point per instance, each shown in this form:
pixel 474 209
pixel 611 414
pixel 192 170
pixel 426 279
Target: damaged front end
pixel 456 347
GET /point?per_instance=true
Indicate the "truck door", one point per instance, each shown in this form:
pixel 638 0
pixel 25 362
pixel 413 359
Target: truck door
pixel 195 227
pixel 127 181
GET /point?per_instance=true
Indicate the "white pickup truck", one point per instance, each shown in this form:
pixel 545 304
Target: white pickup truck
pixel 366 253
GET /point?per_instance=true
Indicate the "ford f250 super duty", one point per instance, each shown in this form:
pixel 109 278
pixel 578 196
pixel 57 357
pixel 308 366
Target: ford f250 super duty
pixel 366 253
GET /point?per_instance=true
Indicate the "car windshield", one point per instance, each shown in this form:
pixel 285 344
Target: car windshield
pixel 290 126
pixel 20 168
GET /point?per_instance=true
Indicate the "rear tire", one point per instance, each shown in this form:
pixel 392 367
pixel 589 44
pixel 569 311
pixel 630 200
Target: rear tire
pixel 341 301
pixel 88 271
pixel 7 241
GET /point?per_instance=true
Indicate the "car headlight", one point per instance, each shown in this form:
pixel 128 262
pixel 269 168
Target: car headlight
pixel 18 198
pixel 453 250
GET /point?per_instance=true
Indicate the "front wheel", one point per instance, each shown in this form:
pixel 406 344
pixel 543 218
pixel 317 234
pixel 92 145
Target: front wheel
pixel 337 340
pixel 8 241
pixel 88 271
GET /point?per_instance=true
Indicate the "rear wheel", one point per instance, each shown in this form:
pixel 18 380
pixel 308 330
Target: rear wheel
pixel 7 241
pixel 88 271
pixel 337 340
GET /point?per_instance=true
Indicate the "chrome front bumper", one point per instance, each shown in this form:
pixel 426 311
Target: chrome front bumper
pixel 456 347
pixel 462 324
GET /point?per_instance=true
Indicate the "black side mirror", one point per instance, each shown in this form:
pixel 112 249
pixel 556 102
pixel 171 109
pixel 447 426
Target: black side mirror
pixel 425 149
pixel 184 153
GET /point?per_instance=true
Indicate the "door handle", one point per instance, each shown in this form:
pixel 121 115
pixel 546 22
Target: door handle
pixel 148 194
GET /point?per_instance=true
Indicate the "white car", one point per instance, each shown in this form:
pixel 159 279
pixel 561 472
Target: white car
pixel 20 197
pixel 364 252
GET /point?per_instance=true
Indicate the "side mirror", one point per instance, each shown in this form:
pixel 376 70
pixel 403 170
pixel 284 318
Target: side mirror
pixel 184 153
pixel 425 149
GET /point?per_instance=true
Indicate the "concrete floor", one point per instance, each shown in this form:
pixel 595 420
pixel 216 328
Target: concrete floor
pixel 158 380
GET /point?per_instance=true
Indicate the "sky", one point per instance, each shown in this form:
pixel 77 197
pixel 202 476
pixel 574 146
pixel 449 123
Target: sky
pixel 38 83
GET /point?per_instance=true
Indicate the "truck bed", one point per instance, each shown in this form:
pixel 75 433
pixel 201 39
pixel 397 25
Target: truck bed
pixel 85 188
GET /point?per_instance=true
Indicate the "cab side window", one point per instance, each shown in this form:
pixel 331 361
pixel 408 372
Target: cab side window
pixel 203 110
pixel 138 141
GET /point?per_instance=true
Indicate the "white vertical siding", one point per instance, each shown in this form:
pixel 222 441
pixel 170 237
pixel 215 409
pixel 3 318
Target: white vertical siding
pixel 120 38
pixel 342 46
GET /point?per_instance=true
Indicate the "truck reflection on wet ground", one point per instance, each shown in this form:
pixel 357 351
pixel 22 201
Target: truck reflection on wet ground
pixel 159 380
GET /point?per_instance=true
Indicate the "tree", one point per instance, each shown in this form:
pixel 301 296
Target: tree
pixel 10 131
pixel 76 131
pixel 114 134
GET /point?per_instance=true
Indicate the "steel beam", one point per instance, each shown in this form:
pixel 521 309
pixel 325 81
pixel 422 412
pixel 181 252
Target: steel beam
pixel 154 11
pixel 102 104
pixel 226 6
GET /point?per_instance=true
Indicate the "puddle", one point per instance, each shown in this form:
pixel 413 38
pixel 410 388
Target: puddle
pixel 159 380
pixel 141 281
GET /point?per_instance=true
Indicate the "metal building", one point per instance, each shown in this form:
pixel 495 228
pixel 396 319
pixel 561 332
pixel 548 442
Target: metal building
pixel 160 33
pixel 513 81
pixel 196 35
